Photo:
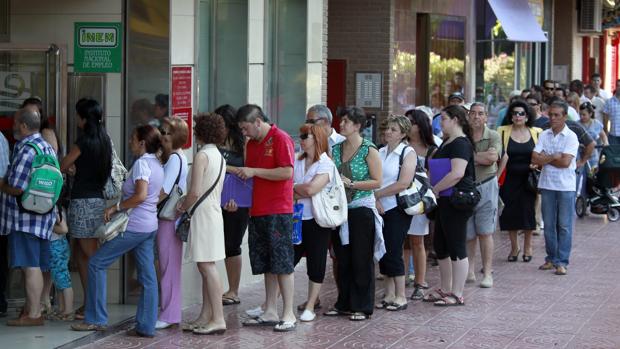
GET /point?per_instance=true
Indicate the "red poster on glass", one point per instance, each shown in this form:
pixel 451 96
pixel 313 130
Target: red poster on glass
pixel 182 96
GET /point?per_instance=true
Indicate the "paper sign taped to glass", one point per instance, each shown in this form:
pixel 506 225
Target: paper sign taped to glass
pixel 438 169
pixel 237 189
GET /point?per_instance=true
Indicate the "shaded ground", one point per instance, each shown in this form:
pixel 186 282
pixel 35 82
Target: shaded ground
pixel 527 308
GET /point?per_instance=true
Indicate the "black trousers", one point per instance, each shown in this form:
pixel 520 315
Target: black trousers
pixel 4 272
pixel 314 244
pixel 235 225
pixel 450 239
pixel 396 224
pixel 356 267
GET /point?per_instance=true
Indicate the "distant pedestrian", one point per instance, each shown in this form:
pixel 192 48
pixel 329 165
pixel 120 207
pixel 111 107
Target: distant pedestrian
pixel 611 116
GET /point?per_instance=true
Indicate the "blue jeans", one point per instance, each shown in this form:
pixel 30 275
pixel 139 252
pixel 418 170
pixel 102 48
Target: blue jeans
pixel 142 245
pixel 558 209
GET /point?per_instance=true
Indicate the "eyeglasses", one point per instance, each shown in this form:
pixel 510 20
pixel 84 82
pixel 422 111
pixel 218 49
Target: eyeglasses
pixel 304 136
pixel 314 121
pixel 518 113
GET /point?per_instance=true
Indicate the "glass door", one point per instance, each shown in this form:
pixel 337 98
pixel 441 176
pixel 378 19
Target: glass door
pixel 35 71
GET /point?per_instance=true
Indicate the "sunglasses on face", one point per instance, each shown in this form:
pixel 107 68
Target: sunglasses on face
pixel 533 104
pixel 313 121
pixel 518 113
pixel 165 133
pixel 304 136
pixel 549 88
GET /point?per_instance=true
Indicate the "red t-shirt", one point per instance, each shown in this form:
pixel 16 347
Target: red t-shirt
pixel 275 150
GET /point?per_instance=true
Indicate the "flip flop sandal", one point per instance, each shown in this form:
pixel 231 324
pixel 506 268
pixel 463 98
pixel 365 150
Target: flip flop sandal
pixel 204 330
pixel 445 302
pixel 359 317
pixel 382 305
pixel 396 307
pixel 431 297
pixel 190 326
pixel 259 321
pixel 302 306
pixel 336 312
pixel 285 326
pixel 227 300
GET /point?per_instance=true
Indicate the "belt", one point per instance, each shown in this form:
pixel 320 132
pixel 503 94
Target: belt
pixel 484 181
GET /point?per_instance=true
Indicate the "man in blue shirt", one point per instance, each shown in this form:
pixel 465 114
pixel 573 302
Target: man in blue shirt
pixel 29 233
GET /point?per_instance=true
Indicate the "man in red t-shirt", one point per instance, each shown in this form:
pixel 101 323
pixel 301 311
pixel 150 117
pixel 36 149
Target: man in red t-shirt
pixel 270 155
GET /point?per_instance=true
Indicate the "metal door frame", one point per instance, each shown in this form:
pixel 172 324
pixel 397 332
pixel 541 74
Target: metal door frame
pixel 60 51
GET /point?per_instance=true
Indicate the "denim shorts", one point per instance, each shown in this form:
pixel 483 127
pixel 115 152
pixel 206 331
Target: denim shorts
pixel 29 251
pixel 59 263
pixel 270 244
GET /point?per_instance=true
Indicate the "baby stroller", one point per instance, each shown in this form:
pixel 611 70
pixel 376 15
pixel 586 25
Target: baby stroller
pixel 599 194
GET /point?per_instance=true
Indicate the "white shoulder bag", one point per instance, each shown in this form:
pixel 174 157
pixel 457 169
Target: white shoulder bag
pixel 167 209
pixel 329 206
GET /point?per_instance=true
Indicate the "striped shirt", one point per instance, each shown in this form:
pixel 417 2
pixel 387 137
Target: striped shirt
pixel 18 177
pixel 612 109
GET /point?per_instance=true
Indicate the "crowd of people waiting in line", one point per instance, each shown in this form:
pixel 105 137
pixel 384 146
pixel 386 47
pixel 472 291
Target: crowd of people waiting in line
pixel 536 132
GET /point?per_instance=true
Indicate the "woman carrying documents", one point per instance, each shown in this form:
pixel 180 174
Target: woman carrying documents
pixel 451 167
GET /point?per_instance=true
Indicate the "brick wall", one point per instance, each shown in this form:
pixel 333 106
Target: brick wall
pixel 361 32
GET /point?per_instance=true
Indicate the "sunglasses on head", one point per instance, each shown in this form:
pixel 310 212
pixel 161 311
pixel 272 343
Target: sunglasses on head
pixel 518 113
pixel 586 105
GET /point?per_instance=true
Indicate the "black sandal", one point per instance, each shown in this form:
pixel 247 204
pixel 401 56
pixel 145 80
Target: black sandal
pixel 514 258
pixel 357 316
pixel 527 259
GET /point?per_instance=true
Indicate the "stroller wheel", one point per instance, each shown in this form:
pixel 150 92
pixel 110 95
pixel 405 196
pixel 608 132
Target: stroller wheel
pixel 580 206
pixel 613 214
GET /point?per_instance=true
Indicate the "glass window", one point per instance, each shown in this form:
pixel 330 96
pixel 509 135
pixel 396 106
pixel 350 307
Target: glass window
pixel 429 58
pixel 446 59
pixel 223 53
pixel 287 64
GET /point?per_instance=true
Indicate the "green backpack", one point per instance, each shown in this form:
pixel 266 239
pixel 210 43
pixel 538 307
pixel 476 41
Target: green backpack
pixel 44 184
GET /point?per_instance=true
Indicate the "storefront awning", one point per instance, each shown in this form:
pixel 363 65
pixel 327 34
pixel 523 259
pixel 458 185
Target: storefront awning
pixel 517 20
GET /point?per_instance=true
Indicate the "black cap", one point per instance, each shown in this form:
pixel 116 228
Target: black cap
pixel 458 95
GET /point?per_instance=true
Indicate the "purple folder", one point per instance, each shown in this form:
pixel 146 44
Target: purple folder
pixel 438 169
pixel 237 189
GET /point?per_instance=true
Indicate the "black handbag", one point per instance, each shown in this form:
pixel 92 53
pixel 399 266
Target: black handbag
pixel 532 181
pixel 464 200
pixel 182 230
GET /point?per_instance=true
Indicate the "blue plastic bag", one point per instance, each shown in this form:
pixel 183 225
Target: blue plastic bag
pixel 298 211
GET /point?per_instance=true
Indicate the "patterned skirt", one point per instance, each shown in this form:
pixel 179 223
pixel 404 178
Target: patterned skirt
pixel 85 216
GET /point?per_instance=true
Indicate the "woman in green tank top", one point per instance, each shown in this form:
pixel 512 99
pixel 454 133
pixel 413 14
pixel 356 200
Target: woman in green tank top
pixel 359 165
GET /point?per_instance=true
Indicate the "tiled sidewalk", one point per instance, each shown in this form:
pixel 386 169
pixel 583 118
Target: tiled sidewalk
pixel 527 308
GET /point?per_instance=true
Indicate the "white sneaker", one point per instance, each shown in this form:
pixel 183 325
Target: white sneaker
pixel 307 316
pixel 487 281
pixel 160 325
pixel 471 277
pixel 255 312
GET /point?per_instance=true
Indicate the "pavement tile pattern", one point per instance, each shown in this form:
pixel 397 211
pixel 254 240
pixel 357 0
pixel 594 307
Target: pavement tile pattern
pixel 526 308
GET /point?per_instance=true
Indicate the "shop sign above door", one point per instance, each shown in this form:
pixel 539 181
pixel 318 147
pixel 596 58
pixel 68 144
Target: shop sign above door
pixel 97 47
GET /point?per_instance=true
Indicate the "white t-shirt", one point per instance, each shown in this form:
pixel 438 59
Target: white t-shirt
pixel 573 114
pixel 551 177
pixel 171 171
pixel 605 95
pixel 390 166
pixel 301 176
pixel 598 104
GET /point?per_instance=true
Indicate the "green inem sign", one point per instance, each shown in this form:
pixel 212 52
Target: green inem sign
pixel 97 47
